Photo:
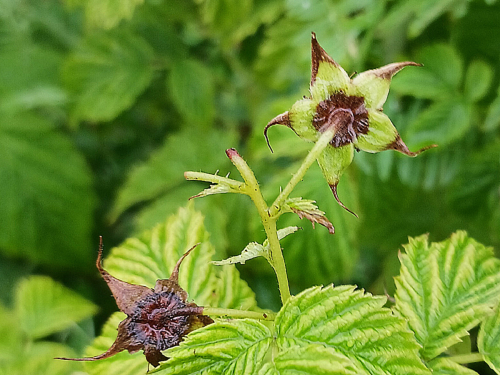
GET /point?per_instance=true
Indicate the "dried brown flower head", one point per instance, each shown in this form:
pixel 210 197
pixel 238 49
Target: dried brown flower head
pixel 157 319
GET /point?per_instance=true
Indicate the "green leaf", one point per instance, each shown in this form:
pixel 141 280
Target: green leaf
pixel 106 73
pixel 445 366
pixel 320 331
pixel 165 169
pixel 192 89
pixel 12 339
pixel 232 292
pixel 442 123
pixel 47 197
pixel 44 306
pixel 439 78
pixel 488 340
pixel 445 289
pixel 106 13
pixel 30 77
pixel 312 359
pixel 38 358
pixel 492 120
pixel 225 347
pixel 427 12
pixel 478 80
pixel 352 323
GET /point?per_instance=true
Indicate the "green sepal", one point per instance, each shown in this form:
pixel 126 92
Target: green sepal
pixel 301 119
pixel 330 79
pixel 381 133
pixel 374 84
pixel 327 76
pixel 333 161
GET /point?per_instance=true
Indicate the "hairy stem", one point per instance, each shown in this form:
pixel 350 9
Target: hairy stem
pixel 320 145
pixel 200 176
pixel 275 255
pixel 467 358
pixel 216 311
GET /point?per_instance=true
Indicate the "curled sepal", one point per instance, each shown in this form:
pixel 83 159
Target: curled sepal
pixel 333 161
pixel 254 249
pixel 157 319
pixel 374 84
pixel 306 208
pixel 282 119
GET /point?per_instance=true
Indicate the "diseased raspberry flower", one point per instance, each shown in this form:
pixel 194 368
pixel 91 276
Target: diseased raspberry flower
pixel 157 319
pixel 352 106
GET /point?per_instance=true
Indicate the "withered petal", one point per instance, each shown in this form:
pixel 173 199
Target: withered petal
pixel 315 218
pixel 153 355
pixel 123 341
pixel 282 119
pixel 126 295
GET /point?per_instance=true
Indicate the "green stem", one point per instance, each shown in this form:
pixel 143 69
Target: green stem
pixel 216 311
pixel 320 145
pixel 275 255
pixel 467 358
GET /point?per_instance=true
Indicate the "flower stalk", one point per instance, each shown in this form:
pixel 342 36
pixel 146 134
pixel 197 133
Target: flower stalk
pixel 238 314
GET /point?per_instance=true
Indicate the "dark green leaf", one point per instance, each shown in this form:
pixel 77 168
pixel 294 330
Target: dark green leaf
pixel 439 78
pixel 442 123
pixel 191 86
pixel 106 74
pixel 165 169
pixel 478 80
pixel 107 13
pixel 47 197
pixel 492 120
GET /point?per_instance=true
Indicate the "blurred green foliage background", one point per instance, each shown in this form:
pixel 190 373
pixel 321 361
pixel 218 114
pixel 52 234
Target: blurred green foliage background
pixel 104 104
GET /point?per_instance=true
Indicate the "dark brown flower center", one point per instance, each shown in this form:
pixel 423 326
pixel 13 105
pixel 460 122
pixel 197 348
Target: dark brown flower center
pixel 347 113
pixel 154 324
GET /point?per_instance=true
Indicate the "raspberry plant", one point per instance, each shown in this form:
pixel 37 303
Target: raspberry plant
pixel 444 289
